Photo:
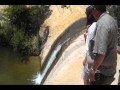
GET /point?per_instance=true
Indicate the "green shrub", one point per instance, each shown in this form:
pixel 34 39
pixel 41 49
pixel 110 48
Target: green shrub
pixel 20 25
pixel 115 12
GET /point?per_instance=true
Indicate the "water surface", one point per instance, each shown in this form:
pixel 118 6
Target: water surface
pixel 14 70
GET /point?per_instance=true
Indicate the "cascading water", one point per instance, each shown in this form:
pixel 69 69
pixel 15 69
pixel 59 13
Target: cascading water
pixel 70 32
pixel 38 77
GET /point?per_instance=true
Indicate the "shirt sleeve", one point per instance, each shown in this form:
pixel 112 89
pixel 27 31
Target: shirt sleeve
pixel 101 40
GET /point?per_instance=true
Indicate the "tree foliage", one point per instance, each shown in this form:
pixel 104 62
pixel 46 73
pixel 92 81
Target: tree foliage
pixel 114 10
pixel 20 24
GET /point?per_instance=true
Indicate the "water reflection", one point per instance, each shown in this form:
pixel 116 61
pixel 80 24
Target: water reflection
pixel 13 71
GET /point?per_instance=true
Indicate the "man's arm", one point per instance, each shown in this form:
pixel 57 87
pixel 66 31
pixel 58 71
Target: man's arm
pixel 100 49
pixel 98 61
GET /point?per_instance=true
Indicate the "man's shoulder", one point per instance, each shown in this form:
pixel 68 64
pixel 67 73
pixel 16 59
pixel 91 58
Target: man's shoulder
pixel 106 20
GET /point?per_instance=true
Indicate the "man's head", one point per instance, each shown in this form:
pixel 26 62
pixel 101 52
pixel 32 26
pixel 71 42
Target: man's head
pixel 98 10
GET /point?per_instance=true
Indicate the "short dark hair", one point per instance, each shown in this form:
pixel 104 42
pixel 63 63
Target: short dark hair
pixel 90 17
pixel 100 8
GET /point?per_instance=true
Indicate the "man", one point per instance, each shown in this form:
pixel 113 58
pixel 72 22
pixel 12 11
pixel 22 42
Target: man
pixel 104 48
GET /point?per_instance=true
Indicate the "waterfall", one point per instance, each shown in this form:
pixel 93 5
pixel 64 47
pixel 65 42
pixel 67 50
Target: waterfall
pixel 38 77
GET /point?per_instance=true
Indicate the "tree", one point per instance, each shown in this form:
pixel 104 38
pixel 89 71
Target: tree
pixel 21 26
pixel 114 10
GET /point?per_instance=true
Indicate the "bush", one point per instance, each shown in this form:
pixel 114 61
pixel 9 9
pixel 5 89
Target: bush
pixel 20 26
pixel 17 39
pixel 19 16
pixel 115 12
pixel 29 18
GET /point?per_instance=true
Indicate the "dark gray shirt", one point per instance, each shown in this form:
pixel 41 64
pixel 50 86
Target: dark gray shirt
pixel 105 43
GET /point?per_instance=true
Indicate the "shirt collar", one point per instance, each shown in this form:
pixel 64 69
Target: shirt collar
pixel 102 15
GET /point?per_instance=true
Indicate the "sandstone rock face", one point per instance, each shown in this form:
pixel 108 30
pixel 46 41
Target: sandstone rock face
pixel 68 69
pixel 60 19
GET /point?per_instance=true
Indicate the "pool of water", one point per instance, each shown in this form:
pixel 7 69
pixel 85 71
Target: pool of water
pixel 14 70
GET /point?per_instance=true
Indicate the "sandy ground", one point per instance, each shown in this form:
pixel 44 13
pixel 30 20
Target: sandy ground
pixel 59 20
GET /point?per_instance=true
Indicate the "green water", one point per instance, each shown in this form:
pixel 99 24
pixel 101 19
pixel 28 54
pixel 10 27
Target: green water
pixel 16 71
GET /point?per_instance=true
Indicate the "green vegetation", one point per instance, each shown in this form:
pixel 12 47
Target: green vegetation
pixel 19 27
pixel 114 10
